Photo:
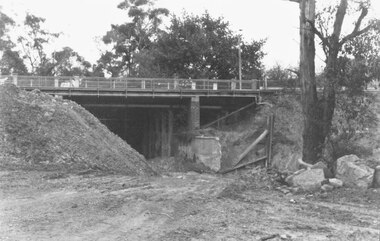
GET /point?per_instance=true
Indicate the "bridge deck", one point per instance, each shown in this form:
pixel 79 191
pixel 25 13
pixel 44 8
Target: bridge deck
pixel 98 86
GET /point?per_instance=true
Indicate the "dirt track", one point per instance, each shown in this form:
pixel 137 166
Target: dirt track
pixel 53 206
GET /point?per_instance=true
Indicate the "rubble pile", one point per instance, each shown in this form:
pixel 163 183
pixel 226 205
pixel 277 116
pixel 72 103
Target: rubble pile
pixel 351 172
pixel 42 132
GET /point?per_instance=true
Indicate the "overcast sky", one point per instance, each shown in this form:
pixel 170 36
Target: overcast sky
pixel 84 21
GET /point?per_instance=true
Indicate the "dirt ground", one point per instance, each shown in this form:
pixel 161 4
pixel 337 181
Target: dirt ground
pixel 37 205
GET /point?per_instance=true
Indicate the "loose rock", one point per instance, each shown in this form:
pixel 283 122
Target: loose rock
pixel 335 182
pixel 309 180
pixel 353 173
pixel 327 188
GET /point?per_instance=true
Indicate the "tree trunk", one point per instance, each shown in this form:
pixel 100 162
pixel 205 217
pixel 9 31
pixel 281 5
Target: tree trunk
pixel 328 104
pixel 312 134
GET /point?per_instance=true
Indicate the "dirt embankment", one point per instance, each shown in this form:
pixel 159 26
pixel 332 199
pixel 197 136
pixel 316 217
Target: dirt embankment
pixel 287 133
pixel 41 132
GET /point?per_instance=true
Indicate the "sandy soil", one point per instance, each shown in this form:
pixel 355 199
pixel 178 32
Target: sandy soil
pixel 55 206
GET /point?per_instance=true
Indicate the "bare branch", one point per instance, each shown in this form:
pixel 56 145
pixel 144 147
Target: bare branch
pixel 294 71
pixel 340 13
pixel 324 40
pixel 297 1
pixel 356 32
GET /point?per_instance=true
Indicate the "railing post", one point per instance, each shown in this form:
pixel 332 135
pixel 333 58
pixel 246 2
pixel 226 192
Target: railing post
pixel 142 84
pixel 233 85
pixel 254 84
pixel 14 77
pixel 265 83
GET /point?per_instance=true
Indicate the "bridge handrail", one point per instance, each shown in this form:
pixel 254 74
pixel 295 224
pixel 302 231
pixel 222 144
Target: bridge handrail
pixel 92 82
pixel 129 83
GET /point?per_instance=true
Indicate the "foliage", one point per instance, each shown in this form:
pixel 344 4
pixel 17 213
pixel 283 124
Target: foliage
pixel 363 53
pixel 67 62
pixel 284 77
pixel 200 47
pixel 33 43
pixel 353 120
pixel 11 62
pixel 132 37
pixel 5 23
pixel 353 116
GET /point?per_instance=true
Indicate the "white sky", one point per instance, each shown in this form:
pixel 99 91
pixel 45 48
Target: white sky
pixel 84 21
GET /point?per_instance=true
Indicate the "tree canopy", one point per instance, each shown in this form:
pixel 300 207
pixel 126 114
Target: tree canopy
pixel 191 47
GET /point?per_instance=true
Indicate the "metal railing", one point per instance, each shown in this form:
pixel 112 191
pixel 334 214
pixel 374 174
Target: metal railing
pixel 163 84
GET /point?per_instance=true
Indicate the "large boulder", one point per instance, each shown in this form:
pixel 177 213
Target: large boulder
pixel 307 180
pixel 353 172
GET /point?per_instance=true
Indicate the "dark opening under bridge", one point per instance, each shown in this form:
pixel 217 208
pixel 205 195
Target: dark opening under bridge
pixel 147 112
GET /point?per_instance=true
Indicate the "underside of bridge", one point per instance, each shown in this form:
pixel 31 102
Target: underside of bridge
pixel 150 125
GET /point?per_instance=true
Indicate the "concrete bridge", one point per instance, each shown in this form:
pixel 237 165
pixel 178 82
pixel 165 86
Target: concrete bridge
pixel 149 113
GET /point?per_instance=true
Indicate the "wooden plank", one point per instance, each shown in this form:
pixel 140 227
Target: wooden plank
pixel 250 147
pixel 270 142
pixel 270 126
pixel 228 115
pixel 243 165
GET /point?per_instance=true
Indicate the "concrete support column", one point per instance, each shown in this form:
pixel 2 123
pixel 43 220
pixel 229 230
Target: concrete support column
pixel 194 113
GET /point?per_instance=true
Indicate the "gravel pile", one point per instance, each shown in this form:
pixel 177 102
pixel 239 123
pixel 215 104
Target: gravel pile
pixel 41 132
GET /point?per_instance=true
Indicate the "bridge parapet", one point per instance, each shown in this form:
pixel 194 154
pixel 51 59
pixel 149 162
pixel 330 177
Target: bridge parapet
pixel 130 83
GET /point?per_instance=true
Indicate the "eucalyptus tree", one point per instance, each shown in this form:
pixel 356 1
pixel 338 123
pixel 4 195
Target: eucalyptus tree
pixel 33 43
pixel 318 109
pixel 200 47
pixel 128 39
pixel 11 61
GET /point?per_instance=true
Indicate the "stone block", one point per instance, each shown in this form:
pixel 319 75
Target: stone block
pixel 208 151
pixel 353 173
pixel 309 180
